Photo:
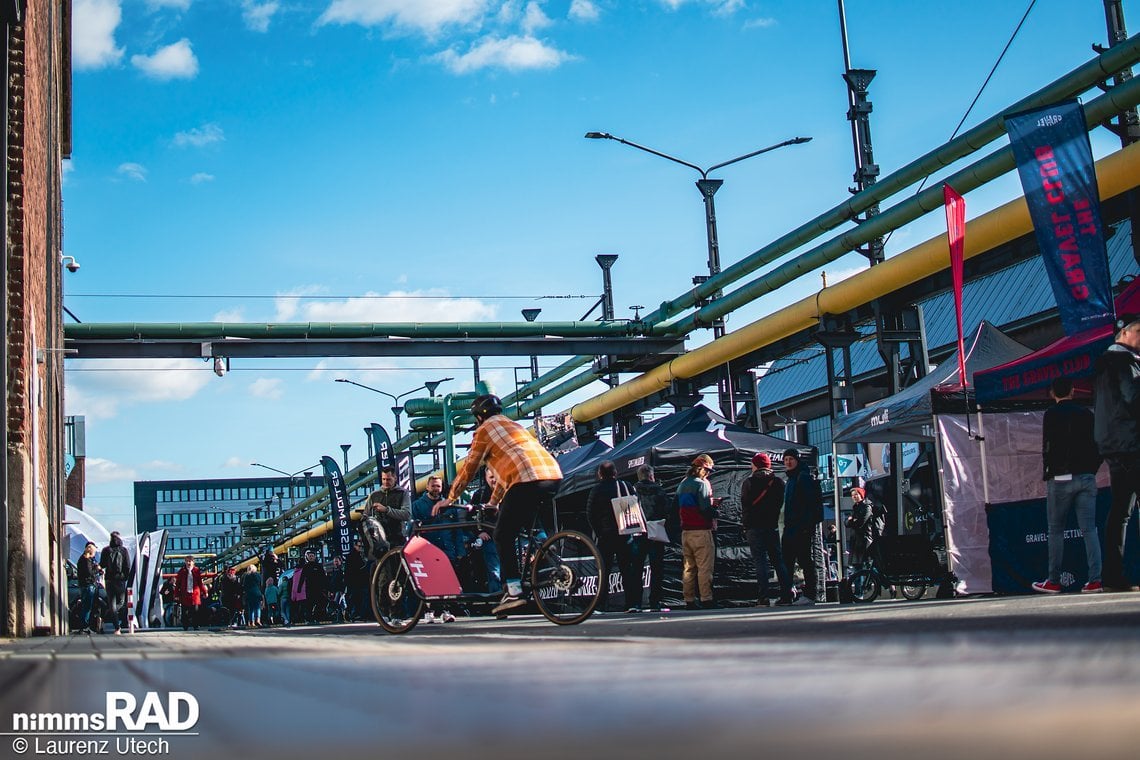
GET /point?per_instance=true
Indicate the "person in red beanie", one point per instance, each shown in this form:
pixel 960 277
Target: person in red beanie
pixel 761 499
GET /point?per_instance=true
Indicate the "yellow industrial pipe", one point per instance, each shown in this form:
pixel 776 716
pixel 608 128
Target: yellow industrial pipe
pixel 1115 173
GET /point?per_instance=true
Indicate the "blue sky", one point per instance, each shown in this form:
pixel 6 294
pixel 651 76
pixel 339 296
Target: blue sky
pixel 423 160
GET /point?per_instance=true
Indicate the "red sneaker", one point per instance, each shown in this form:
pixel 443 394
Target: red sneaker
pixel 1092 587
pixel 1047 587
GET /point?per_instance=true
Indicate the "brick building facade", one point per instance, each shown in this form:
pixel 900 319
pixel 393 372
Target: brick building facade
pixel 36 134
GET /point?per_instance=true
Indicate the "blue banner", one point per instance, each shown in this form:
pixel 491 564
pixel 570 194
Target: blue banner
pixel 382 444
pixel 1019 545
pixel 1054 159
pixel 338 506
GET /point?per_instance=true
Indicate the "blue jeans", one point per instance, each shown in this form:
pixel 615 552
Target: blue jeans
pixel 86 601
pixel 765 545
pixel 1062 496
pixel 491 560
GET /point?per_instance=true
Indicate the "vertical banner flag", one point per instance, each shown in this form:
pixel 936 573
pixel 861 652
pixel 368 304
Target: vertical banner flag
pixel 956 235
pixel 338 506
pixel 382 444
pixel 1054 159
pixel 404 475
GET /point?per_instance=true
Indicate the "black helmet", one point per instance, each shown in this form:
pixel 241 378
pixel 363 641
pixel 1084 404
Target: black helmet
pixel 486 406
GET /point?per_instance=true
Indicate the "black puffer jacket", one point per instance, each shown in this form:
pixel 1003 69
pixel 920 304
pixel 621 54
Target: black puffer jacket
pixel 761 499
pixel 1118 402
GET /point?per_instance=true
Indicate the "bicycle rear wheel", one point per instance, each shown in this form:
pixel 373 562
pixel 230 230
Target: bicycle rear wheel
pixel 912 591
pixel 395 603
pixel 566 577
pixel 864 585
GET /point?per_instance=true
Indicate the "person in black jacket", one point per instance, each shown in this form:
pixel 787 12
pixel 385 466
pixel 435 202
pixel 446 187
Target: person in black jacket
pixel 611 545
pixel 1117 431
pixel 803 541
pixel 88 577
pixel 1070 458
pixel 655 503
pixel 761 499
pixel 116 563
pixel 862 522
pixel 392 506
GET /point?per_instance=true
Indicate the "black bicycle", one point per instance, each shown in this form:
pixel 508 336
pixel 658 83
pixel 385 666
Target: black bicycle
pixel 908 563
pixel 561 574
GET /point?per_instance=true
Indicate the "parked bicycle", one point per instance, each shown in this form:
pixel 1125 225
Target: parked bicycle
pixel 561 575
pixel 906 562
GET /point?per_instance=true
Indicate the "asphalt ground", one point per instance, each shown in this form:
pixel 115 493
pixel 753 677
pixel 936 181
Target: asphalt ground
pixel 1032 677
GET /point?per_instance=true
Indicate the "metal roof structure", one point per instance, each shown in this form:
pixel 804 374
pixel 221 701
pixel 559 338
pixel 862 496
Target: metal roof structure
pixel 1015 296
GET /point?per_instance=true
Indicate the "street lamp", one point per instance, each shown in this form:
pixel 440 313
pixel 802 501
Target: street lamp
pixel 708 188
pixel 430 385
pixel 345 447
pixel 292 499
pixel 530 315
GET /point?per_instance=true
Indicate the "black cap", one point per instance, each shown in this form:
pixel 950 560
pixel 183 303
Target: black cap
pixel 794 453
pixel 1124 320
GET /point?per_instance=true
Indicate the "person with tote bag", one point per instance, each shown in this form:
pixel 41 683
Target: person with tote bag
pixel 612 545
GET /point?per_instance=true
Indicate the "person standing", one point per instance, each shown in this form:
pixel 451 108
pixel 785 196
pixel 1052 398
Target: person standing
pixel 116 563
pixel 270 565
pixel 88 577
pixel 191 592
pixel 251 584
pixel 761 499
pixel 613 546
pixel 1117 432
pixel 803 513
pixel 392 506
pixel 655 504
pixel 698 514
pixel 862 521
pixel 448 541
pixel 1070 457
pixel 356 582
pixel 309 583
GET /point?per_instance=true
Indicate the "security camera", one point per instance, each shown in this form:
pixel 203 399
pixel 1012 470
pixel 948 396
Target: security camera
pixel 220 366
pixel 70 262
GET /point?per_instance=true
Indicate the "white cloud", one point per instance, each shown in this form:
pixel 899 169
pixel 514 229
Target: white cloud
pixel 98 470
pixel 534 18
pixel 719 7
pixel 175 61
pixel 97 388
pixel 583 10
pixel 93 25
pixel 234 462
pixel 760 23
pixel 266 387
pixel 258 15
pixel 179 5
pixel 422 16
pixel 199 137
pixel 396 306
pixel 232 315
pixel 512 53
pixel 199 178
pixel 137 172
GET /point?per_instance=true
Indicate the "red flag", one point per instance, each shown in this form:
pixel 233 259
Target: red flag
pixel 956 234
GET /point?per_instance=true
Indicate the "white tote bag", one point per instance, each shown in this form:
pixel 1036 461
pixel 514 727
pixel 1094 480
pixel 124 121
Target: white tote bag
pixel 628 513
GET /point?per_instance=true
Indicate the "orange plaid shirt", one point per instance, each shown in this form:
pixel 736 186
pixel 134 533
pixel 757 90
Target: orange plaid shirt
pixel 511 451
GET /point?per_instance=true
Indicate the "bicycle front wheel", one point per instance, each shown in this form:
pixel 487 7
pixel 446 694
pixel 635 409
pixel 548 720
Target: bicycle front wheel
pixel 395 603
pixel 864 585
pixel 566 578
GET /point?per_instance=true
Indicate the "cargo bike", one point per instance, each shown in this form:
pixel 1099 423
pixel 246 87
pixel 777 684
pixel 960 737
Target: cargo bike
pixel 561 574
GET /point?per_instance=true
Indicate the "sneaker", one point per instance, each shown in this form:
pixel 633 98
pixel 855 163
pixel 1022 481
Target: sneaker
pixel 447 617
pixel 692 605
pixel 804 601
pixel 429 617
pixel 783 601
pixel 1047 587
pixel 1092 587
pixel 508 602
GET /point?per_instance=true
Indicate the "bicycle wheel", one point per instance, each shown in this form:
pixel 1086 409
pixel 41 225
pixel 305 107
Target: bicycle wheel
pixel 864 585
pixel 566 576
pixel 912 591
pixel 395 603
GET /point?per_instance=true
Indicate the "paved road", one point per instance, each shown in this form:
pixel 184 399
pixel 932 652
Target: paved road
pixel 1034 677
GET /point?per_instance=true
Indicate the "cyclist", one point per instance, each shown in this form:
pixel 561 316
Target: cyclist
pixel 528 478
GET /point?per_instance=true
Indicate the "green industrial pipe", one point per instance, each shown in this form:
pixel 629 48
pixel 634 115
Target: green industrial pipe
pixel 973 176
pixel 335 330
pixel 1098 70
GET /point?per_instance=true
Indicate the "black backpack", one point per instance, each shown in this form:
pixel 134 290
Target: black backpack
pixel 118 564
pixel 373 537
